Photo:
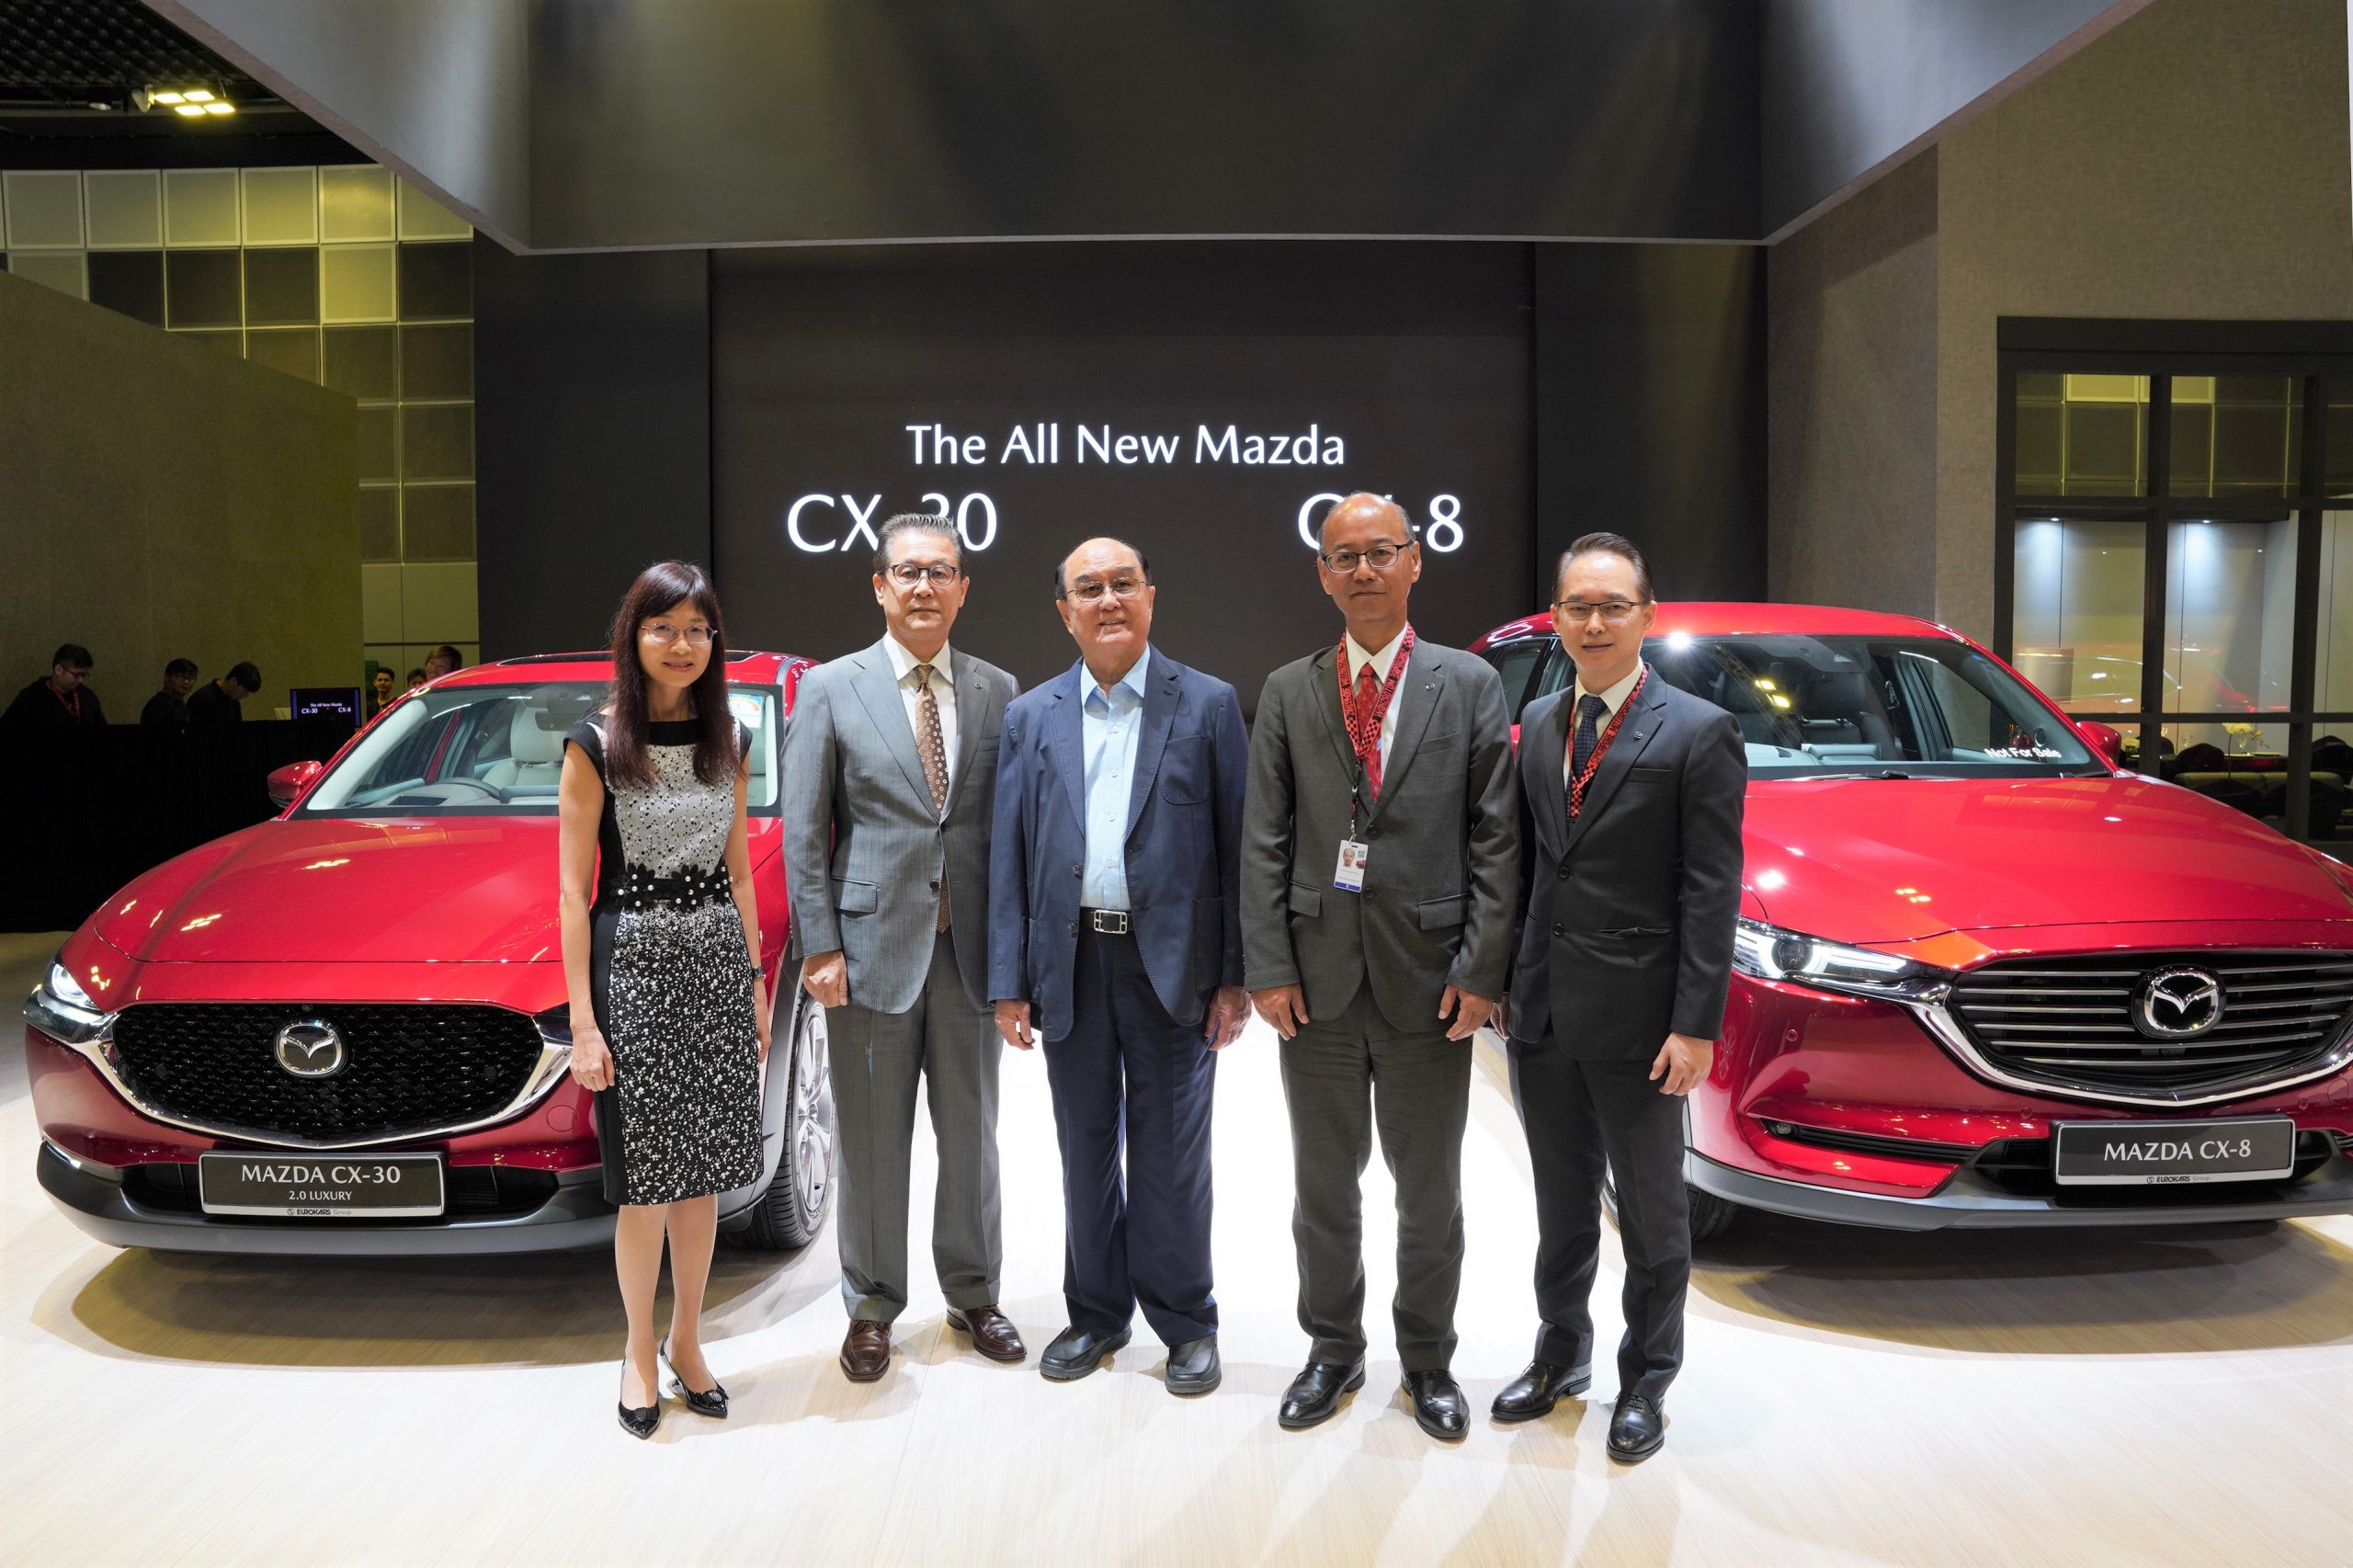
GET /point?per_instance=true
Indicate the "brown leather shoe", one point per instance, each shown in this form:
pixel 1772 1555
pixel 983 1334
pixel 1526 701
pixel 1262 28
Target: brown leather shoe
pixel 866 1353
pixel 992 1332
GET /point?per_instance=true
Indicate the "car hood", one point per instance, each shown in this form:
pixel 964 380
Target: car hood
pixel 322 890
pixel 1894 860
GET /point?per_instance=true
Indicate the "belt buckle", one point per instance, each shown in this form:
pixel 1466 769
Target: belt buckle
pixel 1102 920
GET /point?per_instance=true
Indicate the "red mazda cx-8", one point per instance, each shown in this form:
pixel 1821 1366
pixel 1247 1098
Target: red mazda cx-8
pixel 1984 975
pixel 345 1030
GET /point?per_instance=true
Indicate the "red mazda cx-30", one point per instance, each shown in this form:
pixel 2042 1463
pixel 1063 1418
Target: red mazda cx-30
pixel 345 1030
pixel 1985 976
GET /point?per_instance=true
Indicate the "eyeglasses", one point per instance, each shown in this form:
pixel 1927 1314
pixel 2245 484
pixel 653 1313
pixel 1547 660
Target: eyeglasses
pixel 1087 591
pixel 662 631
pixel 910 574
pixel 1378 557
pixel 1614 611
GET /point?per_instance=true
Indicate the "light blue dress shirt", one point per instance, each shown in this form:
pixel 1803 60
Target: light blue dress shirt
pixel 1109 725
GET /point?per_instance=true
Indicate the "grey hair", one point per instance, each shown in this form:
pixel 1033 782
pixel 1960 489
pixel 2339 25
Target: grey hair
pixel 914 523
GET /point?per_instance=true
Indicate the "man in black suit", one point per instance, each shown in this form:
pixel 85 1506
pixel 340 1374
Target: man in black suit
pixel 1630 797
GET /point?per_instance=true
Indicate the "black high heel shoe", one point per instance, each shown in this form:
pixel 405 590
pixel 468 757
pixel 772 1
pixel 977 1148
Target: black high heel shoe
pixel 711 1402
pixel 641 1422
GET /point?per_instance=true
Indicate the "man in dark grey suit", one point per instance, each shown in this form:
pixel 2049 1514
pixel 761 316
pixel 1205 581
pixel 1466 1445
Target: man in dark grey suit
pixel 1380 856
pixel 1631 792
pixel 889 778
pixel 1116 938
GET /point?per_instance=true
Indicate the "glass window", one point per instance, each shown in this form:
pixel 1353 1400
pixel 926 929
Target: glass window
pixel 200 206
pixel 1874 706
pixel 130 282
pixel 2075 620
pixel 202 287
pixel 44 209
pixel 379 444
pixel 58 269
pixel 125 208
pixel 2082 435
pixel 293 350
pixel 437 441
pixel 2339 479
pixel 2230 615
pixel 281 207
pixel 356 283
pixel 2244 766
pixel 2237 435
pixel 437 280
pixel 363 362
pixel 355 203
pixel 282 287
pixel 1517 664
pixel 2333 655
pixel 437 361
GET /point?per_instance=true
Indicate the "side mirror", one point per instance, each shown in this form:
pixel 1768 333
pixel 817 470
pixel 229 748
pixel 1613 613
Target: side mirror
pixel 287 784
pixel 2104 741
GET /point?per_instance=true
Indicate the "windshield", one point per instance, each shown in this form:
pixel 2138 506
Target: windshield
pixel 497 750
pixel 1927 708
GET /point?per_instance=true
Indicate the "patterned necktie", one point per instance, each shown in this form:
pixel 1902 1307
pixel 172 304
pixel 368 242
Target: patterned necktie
pixel 1368 694
pixel 1591 710
pixel 934 752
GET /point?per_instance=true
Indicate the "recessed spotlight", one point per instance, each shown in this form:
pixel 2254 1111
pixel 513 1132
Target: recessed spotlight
pixel 197 109
pixel 220 109
pixel 199 95
pixel 169 98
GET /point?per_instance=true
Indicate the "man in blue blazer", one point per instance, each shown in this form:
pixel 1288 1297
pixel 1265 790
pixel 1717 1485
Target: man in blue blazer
pixel 1115 936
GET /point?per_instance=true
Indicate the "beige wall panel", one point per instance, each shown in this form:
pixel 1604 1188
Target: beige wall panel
pixel 165 500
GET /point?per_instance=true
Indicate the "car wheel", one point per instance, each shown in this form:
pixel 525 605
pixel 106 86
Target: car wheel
pixel 792 1210
pixel 1710 1216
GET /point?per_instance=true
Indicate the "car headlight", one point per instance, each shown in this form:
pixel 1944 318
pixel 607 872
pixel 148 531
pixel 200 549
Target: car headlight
pixel 1771 953
pixel 59 1008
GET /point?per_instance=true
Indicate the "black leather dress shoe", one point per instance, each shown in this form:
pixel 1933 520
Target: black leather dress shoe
pixel 1439 1408
pixel 1315 1392
pixel 1638 1430
pixel 711 1402
pixel 1537 1390
pixel 639 1421
pixel 1078 1351
pixel 1193 1366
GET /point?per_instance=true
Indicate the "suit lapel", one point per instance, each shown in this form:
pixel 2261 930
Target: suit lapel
pixel 1324 677
pixel 1066 741
pixel 1419 692
pixel 877 691
pixel 1641 727
pixel 1545 746
pixel 972 697
pixel 1161 689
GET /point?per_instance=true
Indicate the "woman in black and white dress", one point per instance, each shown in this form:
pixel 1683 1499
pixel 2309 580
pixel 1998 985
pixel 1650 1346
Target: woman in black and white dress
pixel 669 1014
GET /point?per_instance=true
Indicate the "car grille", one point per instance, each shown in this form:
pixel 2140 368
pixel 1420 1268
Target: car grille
pixel 2069 1022
pixel 411 1068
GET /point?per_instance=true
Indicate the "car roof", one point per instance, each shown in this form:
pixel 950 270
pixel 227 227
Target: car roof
pixel 742 665
pixel 1729 617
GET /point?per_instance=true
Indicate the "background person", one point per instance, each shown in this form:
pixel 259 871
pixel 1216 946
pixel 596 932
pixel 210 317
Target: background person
pixel 1129 770
pixel 1631 791
pixel 1380 856
pixel 217 701
pixel 890 770
pixel 60 700
pixel 379 696
pixel 669 1013
pixel 442 660
pixel 414 678
pixel 168 709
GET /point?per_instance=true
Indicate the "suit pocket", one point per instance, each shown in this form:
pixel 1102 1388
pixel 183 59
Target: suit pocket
pixel 856 898
pixel 1434 914
pixel 1306 900
pixel 1650 776
pixel 1182 780
pixel 1636 933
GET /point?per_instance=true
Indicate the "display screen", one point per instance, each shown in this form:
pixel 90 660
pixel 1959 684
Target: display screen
pixel 1205 404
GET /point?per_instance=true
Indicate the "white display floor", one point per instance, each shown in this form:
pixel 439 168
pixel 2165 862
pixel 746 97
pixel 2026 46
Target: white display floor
pixel 2182 1398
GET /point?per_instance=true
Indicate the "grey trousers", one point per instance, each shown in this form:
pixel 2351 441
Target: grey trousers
pixel 953 1048
pixel 1343 1078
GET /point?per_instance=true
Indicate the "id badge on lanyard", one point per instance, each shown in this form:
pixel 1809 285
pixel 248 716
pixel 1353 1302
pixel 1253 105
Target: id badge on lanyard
pixel 1348 874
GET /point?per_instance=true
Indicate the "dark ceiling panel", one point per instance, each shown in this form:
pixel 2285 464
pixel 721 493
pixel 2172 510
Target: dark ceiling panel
pixel 68 69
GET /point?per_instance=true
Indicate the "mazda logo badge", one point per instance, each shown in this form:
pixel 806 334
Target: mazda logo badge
pixel 311 1049
pixel 2176 1003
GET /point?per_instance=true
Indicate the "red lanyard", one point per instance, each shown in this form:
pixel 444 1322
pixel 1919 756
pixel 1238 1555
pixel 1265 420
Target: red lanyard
pixel 1364 727
pixel 71 704
pixel 1578 782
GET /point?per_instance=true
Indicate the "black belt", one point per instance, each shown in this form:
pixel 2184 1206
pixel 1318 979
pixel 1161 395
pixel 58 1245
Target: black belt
pixel 687 890
pixel 1104 922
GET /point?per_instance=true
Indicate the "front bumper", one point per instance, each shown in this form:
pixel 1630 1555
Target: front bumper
pixel 1969 1201
pixel 96 1198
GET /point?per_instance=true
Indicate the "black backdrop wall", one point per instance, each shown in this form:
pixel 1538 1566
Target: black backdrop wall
pixel 633 405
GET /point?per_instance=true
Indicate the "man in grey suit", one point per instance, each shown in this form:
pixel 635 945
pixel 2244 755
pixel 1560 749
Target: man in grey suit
pixel 889 778
pixel 1632 791
pixel 1379 857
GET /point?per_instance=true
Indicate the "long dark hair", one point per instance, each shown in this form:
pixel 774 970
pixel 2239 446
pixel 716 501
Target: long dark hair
pixel 717 758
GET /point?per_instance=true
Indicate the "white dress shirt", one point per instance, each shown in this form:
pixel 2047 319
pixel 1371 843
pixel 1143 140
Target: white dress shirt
pixel 904 664
pixel 1613 697
pixel 1109 725
pixel 1358 659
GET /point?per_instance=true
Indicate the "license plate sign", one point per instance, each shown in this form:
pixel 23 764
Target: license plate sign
pixel 321 1187
pixel 2174 1154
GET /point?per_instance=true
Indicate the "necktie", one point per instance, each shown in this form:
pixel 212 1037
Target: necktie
pixel 934 752
pixel 1590 713
pixel 1368 694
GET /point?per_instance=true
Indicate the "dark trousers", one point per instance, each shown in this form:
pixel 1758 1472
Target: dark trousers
pixel 1343 1078
pixel 1128 1073
pixel 1578 1114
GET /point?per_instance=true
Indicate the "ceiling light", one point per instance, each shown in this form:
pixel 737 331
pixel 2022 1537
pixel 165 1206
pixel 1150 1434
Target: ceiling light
pixel 220 109
pixel 199 95
pixel 169 98
pixel 197 109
